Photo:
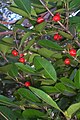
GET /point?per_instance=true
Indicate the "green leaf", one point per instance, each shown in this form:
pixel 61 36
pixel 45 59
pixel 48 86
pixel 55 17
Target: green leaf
pixel 24 5
pixel 47 66
pixel 32 114
pixel 7 113
pixel 74 4
pixel 68 82
pixel 45 97
pixel 28 95
pixel 66 35
pixel 49 44
pixel 75 20
pixel 5 68
pixel 25 68
pixel 65 90
pixel 40 27
pixel 72 109
pixel 30 43
pixel 77 79
pixel 18 11
pixel 45 52
pixel 3 28
pixel 78 52
pixel 13 71
pixel 26 35
pixel 49 89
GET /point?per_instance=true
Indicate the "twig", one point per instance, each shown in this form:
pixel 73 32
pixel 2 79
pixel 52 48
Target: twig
pixel 6 33
pixel 3 116
pixel 4 57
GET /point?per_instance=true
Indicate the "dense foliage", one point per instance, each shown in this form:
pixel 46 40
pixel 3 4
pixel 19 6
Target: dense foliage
pixel 39 61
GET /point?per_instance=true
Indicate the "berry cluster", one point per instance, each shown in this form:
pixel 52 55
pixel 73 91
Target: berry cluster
pixel 72 52
pixel 57 37
pixel 21 59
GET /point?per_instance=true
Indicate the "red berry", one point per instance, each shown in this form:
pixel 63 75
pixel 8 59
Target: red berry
pixel 27 84
pixel 57 14
pixel 21 55
pixel 67 61
pixel 22 60
pixel 14 52
pixel 72 52
pixel 40 20
pixel 57 37
pixel 56 18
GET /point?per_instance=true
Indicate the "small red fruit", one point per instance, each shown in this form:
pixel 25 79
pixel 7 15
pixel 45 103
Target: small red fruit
pixel 56 18
pixel 21 55
pixel 57 37
pixel 22 60
pixel 72 52
pixel 27 84
pixel 67 61
pixel 40 20
pixel 14 52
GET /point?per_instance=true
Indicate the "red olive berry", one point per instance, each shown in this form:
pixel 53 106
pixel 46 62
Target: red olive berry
pixel 21 55
pixel 60 37
pixel 22 60
pixel 67 61
pixel 27 84
pixel 57 14
pixel 57 37
pixel 72 52
pixel 56 18
pixel 14 52
pixel 40 20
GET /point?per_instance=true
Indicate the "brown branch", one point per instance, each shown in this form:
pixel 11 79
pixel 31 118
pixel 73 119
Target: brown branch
pixel 6 33
pixel 4 57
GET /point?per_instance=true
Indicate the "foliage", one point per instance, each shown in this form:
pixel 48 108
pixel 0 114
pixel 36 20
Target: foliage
pixel 55 87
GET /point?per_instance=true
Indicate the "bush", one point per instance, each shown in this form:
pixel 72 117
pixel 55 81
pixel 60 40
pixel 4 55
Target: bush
pixel 40 56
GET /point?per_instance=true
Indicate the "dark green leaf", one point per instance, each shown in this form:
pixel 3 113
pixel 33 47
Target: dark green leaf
pixel 47 66
pixel 32 114
pixel 24 5
pixel 7 113
pixel 77 79
pixel 28 95
pixel 49 44
pixel 25 68
pixel 45 97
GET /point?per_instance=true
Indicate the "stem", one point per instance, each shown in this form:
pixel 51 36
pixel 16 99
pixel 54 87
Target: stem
pixel 6 33
pixel 3 116
pixel 46 7
pixel 4 57
pixel 67 14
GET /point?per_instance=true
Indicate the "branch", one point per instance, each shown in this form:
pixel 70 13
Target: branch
pixel 6 33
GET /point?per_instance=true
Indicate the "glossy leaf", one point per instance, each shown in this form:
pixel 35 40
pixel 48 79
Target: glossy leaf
pixel 26 35
pixel 66 35
pixel 18 11
pixel 25 68
pixel 72 109
pixel 25 93
pixel 40 27
pixel 45 97
pixel 77 79
pixel 7 113
pixel 24 5
pixel 47 66
pixel 49 44
pixel 32 114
